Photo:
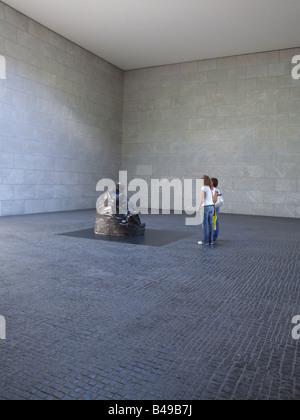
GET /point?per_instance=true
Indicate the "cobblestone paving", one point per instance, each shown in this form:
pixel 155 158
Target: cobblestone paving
pixel 91 319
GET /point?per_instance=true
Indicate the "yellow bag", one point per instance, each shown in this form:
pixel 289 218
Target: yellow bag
pixel 215 218
pixel 215 222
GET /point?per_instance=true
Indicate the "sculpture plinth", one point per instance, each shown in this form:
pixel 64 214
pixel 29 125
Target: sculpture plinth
pixel 116 215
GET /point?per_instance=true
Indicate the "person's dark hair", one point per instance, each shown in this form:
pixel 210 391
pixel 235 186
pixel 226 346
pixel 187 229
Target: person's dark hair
pixel 207 180
pixel 215 182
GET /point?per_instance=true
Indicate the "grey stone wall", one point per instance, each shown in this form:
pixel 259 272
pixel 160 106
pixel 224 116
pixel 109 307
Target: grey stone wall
pixel 60 120
pixel 61 111
pixel 235 118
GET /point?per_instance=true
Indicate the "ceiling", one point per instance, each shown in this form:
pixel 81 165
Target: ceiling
pixel 134 34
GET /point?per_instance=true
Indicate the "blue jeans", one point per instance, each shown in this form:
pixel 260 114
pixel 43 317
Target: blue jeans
pixel 217 232
pixel 207 227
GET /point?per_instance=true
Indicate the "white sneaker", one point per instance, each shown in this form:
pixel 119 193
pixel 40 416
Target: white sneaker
pixel 200 243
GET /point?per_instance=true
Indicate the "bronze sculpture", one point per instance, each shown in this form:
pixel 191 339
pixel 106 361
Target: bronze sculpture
pixel 116 215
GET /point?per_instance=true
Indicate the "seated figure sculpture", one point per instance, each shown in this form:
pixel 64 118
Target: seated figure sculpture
pixel 116 215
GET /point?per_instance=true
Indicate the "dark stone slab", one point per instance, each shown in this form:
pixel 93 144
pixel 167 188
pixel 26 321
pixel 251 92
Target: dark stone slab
pixel 151 237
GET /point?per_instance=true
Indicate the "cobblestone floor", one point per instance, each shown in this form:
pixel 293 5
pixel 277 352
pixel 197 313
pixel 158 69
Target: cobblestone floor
pixel 91 319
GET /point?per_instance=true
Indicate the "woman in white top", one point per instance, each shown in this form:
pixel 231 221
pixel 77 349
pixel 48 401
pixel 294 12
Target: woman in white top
pixel 207 200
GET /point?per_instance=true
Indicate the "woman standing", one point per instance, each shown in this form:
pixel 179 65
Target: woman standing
pixel 207 200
